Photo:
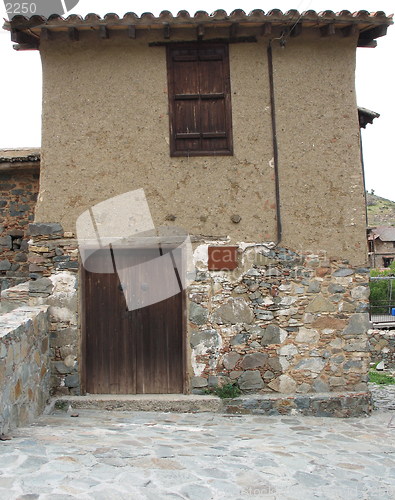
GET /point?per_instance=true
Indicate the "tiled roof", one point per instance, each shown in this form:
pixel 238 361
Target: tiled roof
pixel 361 16
pixel 385 233
pixel 371 25
pixel 22 155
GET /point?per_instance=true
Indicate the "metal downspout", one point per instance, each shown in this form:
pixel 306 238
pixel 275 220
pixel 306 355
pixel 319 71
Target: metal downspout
pixel 275 144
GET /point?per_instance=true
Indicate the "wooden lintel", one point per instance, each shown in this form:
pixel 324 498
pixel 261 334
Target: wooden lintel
pixel 239 39
pixel 200 32
pixel 132 31
pixel 266 29
pixel 296 30
pixel 103 32
pixel 46 34
pixel 74 34
pixel 328 30
pixel 234 27
pixel 350 30
pixel 166 31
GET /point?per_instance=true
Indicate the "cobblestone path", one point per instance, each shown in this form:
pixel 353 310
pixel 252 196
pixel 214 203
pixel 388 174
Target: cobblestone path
pixel 112 455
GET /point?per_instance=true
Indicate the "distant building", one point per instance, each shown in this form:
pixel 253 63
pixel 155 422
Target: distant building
pixel 381 245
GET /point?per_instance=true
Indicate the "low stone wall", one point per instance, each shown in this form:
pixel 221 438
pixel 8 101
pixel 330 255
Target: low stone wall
pixel 382 347
pixel 24 365
pixel 59 291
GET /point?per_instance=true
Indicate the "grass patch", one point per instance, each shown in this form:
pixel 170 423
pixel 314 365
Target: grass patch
pixel 380 378
pixel 227 391
pixel 61 405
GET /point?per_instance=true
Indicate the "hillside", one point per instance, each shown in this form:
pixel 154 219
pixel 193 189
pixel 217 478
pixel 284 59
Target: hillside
pixel 381 212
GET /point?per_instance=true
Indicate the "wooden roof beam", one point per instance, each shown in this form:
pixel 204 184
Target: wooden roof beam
pixel 328 30
pixel 234 27
pixel 132 31
pixel 200 32
pixel 350 30
pixel 74 34
pixel 266 29
pixel 103 32
pixel 296 30
pixel 46 34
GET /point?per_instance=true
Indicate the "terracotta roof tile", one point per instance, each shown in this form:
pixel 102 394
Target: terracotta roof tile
pixel 237 14
pixel 371 25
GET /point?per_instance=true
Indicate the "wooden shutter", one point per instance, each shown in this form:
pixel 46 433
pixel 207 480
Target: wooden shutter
pixel 199 100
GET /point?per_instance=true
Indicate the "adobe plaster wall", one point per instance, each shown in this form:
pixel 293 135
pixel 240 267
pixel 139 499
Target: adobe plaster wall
pixel 116 138
pixel 106 110
pixel 320 171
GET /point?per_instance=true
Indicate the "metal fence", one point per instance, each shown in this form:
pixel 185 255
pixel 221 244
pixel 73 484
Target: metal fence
pixel 382 300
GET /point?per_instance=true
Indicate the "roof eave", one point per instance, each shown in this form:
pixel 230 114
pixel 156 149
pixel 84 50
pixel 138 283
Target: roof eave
pixel 27 32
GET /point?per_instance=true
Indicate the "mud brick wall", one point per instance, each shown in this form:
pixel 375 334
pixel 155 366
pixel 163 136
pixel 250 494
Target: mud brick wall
pixel 24 365
pixel 18 196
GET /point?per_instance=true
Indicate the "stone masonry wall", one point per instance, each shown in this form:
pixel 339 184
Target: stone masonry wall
pixel 382 347
pixel 53 264
pixel 282 323
pixel 24 365
pixel 18 195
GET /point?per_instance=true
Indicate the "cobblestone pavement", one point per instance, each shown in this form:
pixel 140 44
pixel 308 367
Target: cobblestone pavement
pixel 383 396
pixel 105 455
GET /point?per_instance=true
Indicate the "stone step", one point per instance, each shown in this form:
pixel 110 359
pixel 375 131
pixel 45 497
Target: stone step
pixel 179 403
pixel 334 404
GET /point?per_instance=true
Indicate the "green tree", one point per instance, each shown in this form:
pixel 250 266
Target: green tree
pixel 382 292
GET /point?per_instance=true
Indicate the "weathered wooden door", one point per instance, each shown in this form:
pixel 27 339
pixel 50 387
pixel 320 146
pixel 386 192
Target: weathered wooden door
pixel 131 352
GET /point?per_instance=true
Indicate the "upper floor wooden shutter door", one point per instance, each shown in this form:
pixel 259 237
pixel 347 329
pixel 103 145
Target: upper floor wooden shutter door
pixel 199 100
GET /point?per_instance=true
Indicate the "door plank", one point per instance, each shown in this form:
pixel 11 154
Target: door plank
pixel 129 352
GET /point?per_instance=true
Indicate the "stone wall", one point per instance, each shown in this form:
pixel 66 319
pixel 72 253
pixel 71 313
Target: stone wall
pixel 53 260
pixel 382 347
pixel 18 195
pixel 24 365
pixel 283 322
pixel 280 323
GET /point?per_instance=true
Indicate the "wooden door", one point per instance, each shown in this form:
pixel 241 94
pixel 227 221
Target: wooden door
pixel 131 352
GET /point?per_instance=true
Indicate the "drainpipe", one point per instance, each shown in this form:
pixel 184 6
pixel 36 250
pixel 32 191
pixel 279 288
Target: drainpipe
pixel 275 145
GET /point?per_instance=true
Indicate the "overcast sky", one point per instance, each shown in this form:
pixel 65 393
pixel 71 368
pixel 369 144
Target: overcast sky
pixel 375 79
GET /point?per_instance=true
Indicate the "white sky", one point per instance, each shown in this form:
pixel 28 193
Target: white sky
pixel 20 96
